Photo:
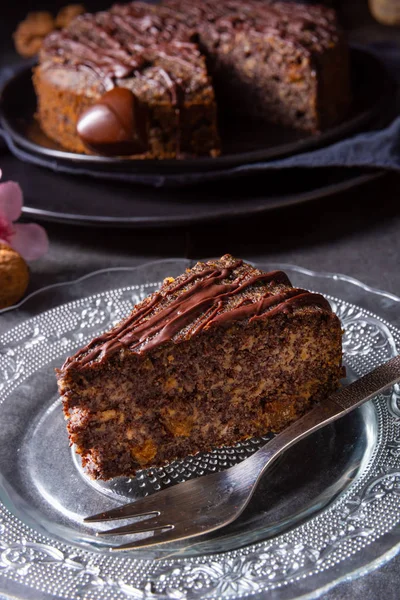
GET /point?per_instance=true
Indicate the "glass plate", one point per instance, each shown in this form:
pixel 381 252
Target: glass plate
pixel 329 509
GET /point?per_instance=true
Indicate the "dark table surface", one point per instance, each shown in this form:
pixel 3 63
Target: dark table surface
pixel 356 233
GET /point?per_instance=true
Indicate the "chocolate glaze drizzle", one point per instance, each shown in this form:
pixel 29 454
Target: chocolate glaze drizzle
pixel 124 42
pixel 120 42
pixel 202 305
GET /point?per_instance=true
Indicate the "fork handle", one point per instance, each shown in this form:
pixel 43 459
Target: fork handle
pixel 332 408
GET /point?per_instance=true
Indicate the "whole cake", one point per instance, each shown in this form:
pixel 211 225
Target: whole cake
pixel 282 62
pixel 222 353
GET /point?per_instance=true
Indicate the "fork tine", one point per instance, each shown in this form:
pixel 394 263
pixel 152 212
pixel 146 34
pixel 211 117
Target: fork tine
pixel 137 527
pixel 163 537
pixel 149 505
pixel 140 508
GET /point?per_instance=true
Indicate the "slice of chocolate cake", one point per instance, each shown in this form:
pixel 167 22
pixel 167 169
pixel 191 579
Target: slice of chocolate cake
pixel 223 353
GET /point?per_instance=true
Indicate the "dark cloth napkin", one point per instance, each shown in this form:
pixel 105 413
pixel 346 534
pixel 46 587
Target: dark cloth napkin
pixel 376 149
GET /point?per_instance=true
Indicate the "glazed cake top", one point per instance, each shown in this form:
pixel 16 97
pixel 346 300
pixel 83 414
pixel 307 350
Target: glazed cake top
pixel 311 27
pixel 158 42
pixel 215 293
pixel 136 44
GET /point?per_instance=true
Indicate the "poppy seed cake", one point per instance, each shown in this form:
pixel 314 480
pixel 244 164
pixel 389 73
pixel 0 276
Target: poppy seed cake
pixel 222 353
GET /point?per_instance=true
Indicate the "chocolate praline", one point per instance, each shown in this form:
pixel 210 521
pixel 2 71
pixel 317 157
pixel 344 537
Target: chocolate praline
pixel 115 125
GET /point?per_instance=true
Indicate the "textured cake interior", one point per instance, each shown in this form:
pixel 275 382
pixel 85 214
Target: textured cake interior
pixel 282 62
pixel 222 377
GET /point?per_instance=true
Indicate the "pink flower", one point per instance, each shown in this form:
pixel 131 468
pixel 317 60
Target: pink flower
pixel 29 240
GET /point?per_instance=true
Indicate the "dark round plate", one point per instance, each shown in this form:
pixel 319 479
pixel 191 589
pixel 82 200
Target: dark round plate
pixel 244 141
pixel 81 200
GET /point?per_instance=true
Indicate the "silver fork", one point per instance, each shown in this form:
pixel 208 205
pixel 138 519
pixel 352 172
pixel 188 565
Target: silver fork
pixel 207 503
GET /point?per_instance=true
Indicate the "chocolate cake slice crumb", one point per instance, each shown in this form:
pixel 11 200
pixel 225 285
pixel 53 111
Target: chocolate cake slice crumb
pixel 223 353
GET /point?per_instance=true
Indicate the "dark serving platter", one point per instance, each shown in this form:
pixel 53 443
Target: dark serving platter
pixel 244 141
pixel 79 200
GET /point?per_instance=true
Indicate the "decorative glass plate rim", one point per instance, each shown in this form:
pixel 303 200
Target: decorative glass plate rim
pixel 234 561
pixel 283 266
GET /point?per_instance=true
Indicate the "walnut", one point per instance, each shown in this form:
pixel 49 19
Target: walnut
pixel 30 33
pixel 14 276
pixel 68 13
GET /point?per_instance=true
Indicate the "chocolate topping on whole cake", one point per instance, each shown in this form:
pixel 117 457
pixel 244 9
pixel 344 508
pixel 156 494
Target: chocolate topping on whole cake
pixel 117 43
pixel 125 42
